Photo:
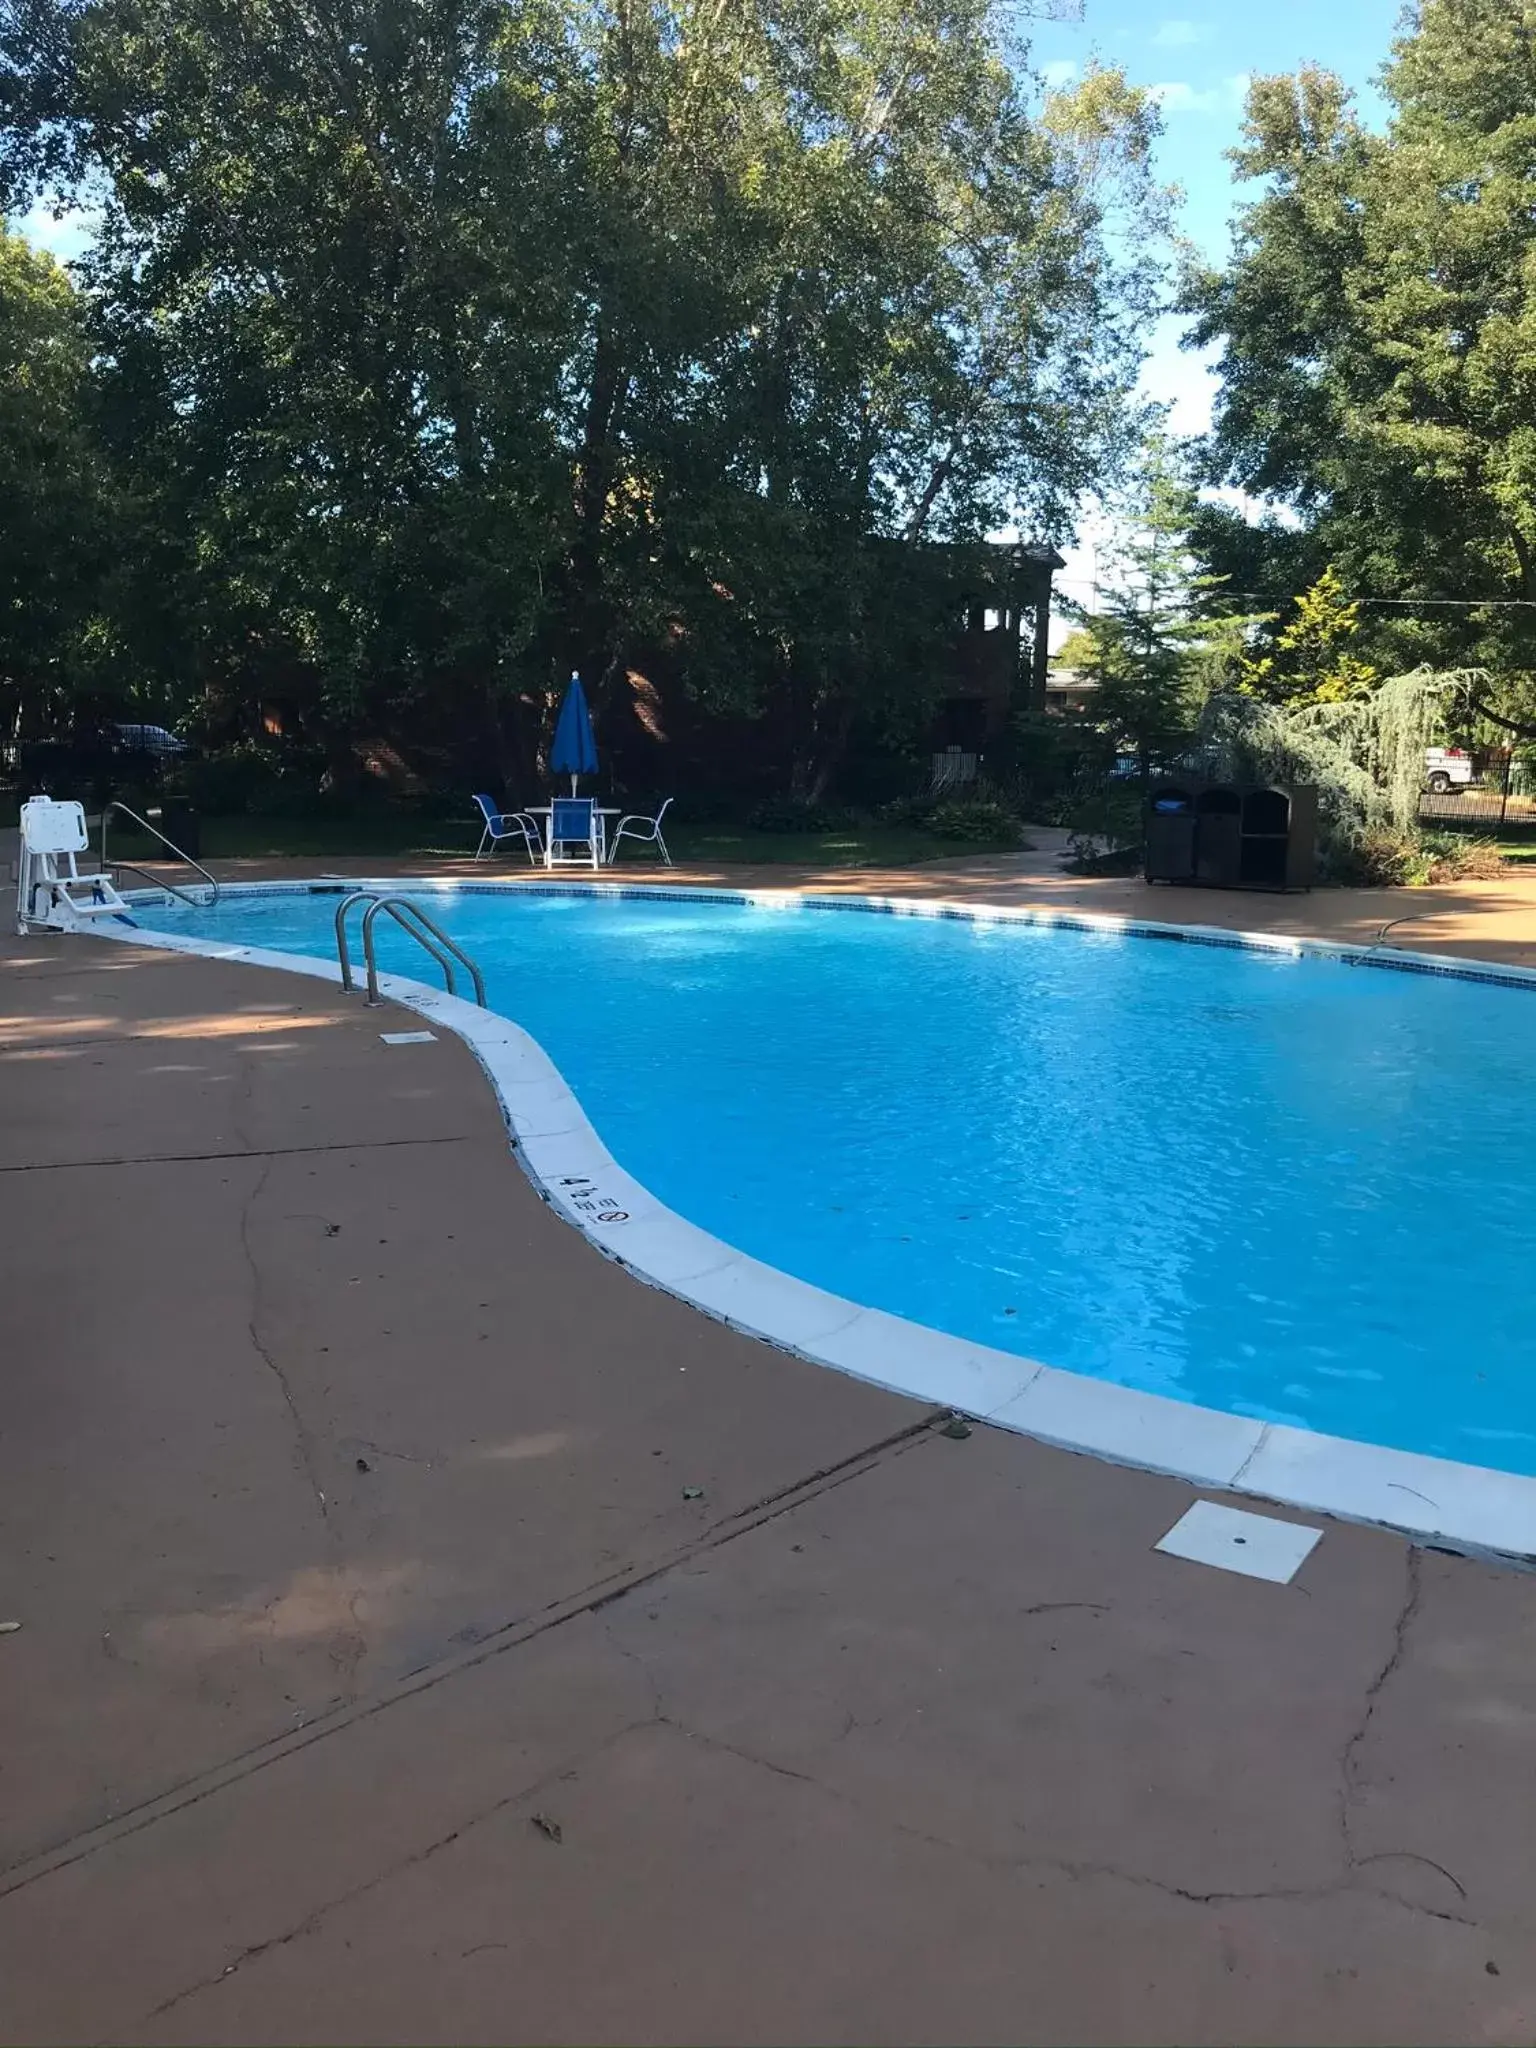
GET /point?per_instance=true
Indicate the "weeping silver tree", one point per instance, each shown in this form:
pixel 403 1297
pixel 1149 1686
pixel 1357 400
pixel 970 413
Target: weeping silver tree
pixel 1364 753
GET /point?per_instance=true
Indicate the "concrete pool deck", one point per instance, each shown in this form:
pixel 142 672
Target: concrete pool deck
pixel 381 1678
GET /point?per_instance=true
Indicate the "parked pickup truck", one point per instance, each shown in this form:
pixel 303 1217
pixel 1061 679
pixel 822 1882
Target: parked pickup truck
pixel 1447 768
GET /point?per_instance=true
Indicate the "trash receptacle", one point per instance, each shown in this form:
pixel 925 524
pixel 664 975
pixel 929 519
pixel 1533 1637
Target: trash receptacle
pixel 1218 840
pixel 1170 835
pixel 182 826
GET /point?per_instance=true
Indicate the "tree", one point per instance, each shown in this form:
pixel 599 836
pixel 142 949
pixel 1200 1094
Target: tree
pixel 1140 647
pixel 1377 323
pixel 1309 659
pixel 51 511
pixel 443 345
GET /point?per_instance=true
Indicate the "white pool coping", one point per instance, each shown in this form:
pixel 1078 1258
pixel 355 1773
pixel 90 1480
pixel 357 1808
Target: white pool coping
pixel 1463 1507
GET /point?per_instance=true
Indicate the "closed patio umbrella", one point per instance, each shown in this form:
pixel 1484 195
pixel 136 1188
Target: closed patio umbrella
pixel 574 751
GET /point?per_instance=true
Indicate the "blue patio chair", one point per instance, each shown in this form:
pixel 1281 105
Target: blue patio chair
pixel 573 823
pixel 501 825
pixel 647 831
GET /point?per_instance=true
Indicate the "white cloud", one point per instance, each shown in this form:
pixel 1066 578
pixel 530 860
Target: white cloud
pixel 1059 72
pixel 1178 35
pixel 1176 97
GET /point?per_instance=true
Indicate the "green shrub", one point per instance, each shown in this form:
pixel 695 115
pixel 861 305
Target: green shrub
pixel 909 810
pixel 1105 811
pixel 1385 858
pixel 1382 858
pixel 975 819
pixel 1453 857
pixel 254 779
pixel 241 779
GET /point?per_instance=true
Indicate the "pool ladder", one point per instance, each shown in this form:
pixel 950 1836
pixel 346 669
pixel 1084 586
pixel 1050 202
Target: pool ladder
pixel 117 868
pixel 413 919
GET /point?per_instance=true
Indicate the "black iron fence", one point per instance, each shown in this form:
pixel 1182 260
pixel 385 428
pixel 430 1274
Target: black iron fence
pixel 1484 792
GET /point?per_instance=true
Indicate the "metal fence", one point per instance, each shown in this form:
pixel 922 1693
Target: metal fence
pixel 1500 797
pixel 953 769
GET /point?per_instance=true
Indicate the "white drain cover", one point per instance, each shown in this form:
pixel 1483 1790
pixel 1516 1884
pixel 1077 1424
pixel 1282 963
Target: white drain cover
pixel 1256 1545
pixel 409 1037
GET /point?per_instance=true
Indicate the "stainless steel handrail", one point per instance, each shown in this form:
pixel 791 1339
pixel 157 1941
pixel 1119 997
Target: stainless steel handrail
pixel 155 833
pixel 371 897
pixel 427 936
pixel 411 918
pixel 130 867
pixel 342 953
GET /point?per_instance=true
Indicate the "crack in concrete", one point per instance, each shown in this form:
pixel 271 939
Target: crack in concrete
pixel 349 1643
pixel 1348 1757
pixel 991 1414
pixel 1259 1442
pixel 303 1443
pixel 1073 1871
pixel 319 1914
pixel 1413 1856
pixel 199 1158
pixel 509 1637
pixel 653 1682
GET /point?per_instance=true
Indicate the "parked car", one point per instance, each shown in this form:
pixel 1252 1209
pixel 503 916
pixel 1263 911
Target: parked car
pixel 96 759
pixel 147 739
pixel 1447 768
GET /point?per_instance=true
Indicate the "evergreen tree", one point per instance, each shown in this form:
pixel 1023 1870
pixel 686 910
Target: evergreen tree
pixel 1143 641
pixel 1311 659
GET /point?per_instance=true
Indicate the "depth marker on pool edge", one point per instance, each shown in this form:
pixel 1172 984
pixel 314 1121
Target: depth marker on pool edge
pixel 1258 1546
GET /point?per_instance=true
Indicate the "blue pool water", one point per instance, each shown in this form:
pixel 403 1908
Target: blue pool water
pixel 1291 1189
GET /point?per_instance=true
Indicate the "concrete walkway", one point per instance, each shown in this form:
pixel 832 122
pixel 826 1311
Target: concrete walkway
pixel 429 1634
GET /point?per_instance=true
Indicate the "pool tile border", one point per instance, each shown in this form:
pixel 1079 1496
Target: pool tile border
pixel 1434 1500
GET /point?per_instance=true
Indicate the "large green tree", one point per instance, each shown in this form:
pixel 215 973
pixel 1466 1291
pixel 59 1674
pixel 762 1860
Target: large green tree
pixel 1377 327
pixel 445 344
pixel 53 528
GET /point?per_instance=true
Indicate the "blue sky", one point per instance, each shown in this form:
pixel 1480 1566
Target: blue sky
pixel 1200 55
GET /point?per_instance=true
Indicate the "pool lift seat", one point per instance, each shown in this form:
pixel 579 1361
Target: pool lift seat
pixel 50 889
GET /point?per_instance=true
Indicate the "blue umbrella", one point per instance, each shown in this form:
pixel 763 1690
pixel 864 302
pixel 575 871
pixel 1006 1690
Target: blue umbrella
pixel 575 750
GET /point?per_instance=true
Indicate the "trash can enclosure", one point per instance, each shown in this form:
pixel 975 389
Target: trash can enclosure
pixel 1171 835
pixel 1227 835
pixel 1218 848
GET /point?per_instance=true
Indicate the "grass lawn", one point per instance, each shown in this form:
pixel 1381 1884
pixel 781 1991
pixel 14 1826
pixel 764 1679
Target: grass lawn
pixel 403 837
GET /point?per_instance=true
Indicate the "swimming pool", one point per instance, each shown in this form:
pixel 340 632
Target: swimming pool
pixel 1275 1186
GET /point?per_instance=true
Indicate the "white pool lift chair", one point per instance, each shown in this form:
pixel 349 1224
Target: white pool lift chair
pixel 50 889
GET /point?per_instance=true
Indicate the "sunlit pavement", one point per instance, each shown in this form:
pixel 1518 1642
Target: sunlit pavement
pixel 428 1633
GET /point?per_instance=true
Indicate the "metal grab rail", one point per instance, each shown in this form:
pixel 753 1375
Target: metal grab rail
pixel 413 919
pixel 132 867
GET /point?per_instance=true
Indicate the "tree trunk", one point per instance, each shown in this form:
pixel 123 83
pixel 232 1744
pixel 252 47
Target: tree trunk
pixel 585 626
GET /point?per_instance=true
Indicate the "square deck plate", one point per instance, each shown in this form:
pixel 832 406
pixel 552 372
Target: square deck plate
pixel 1259 1546
pixel 409 1037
